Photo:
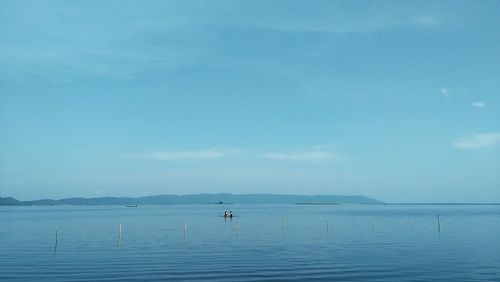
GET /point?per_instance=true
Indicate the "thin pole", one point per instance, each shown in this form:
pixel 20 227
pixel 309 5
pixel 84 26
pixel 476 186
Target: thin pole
pixel 120 237
pixel 439 223
pixel 284 227
pixel 327 226
pixel 237 229
pixel 55 244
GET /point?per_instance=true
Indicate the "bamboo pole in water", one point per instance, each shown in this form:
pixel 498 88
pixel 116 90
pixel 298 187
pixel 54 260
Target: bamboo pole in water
pixel 284 227
pixel 237 229
pixel 439 223
pixel 119 237
pixel 55 243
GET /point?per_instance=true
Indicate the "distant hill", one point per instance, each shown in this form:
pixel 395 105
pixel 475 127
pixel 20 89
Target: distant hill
pixel 198 199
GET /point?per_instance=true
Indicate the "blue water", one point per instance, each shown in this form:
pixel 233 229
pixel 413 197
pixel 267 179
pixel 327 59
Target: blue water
pixel 262 242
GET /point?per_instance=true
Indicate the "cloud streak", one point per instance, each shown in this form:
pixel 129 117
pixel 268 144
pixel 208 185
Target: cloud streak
pixel 313 155
pixel 205 154
pixel 445 92
pixel 309 155
pixel 477 141
pixel 371 24
pixel 479 104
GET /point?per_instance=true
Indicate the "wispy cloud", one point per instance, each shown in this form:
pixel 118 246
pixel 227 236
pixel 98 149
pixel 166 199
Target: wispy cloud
pixel 205 154
pixel 72 63
pixel 445 92
pixel 312 155
pixel 347 22
pixel 479 104
pixel 97 43
pixel 476 141
pixel 426 21
pixel 354 26
pixel 317 154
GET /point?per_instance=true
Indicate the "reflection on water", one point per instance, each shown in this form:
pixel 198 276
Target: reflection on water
pixel 290 242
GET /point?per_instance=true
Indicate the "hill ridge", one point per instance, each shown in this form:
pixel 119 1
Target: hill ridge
pixel 205 198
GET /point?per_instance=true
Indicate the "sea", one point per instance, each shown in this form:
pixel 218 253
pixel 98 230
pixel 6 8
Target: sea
pixel 260 243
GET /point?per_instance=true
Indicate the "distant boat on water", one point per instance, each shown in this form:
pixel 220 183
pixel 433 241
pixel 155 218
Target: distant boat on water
pixel 131 206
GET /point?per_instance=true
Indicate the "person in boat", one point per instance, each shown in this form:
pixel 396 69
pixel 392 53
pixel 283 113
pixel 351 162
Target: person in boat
pixel 230 213
pixel 225 214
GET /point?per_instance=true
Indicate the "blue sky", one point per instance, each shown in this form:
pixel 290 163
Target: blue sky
pixel 397 100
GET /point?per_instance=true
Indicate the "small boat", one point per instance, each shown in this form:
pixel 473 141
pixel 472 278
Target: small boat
pixel 131 206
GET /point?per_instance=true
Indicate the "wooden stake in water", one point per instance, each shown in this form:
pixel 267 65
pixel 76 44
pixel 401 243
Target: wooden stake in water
pixel 411 224
pixel 120 237
pixel 439 223
pixel 327 226
pixel 284 227
pixel 55 243
pixel 237 229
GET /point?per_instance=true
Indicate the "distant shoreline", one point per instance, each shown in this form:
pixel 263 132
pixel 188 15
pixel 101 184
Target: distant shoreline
pixel 221 198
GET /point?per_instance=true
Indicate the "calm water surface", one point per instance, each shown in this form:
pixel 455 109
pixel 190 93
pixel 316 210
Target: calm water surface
pixel 263 242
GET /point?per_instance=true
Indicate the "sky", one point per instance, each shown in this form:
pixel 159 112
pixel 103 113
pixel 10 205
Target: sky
pixel 395 100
